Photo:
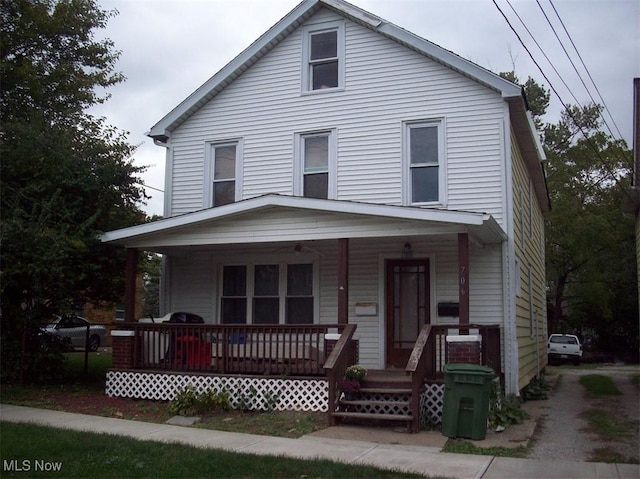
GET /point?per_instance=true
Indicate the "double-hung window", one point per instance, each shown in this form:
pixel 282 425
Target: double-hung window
pixel 323 57
pixel 268 293
pixel 222 185
pixel 424 162
pixel 315 165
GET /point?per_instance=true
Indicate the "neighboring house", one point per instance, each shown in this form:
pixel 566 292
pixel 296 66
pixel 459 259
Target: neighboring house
pixel 342 170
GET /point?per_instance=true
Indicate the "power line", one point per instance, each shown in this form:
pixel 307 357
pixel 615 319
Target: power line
pixel 543 52
pixel 584 66
pixel 565 106
pixel 150 187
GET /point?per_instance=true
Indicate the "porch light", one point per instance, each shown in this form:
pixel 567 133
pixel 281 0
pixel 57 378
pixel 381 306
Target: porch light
pixel 407 252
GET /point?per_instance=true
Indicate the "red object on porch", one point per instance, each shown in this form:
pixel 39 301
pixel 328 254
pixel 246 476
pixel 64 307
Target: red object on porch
pixel 192 351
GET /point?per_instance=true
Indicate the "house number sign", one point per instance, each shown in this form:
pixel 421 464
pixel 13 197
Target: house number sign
pixel 464 279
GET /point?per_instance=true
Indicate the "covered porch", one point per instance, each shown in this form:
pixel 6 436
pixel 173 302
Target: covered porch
pixel 382 278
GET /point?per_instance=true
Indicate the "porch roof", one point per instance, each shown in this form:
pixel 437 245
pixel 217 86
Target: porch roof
pixel 272 218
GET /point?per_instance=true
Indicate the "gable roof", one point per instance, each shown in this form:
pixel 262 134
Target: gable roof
pixel 162 130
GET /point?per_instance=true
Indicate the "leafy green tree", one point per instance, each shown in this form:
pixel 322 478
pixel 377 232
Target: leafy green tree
pixel 66 176
pixel 590 241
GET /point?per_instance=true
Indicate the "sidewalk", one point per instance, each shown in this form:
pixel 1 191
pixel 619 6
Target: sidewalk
pixel 420 459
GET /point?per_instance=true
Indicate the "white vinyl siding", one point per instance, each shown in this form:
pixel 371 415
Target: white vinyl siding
pixel 386 84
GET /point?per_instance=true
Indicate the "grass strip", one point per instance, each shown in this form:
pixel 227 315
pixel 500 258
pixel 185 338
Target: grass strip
pixel 610 426
pixel 460 446
pixel 29 450
pixel 599 385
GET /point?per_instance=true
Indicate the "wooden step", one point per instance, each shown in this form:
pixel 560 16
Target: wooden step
pixel 378 390
pixel 373 416
pixel 366 402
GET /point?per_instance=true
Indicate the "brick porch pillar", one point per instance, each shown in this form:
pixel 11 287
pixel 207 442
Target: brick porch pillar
pixel 464 349
pixel 123 349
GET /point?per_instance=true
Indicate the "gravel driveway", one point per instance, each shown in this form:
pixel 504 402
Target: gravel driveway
pixel 564 433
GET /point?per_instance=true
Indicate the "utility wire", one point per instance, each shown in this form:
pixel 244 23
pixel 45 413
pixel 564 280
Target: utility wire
pixel 150 187
pixel 565 106
pixel 585 67
pixel 604 120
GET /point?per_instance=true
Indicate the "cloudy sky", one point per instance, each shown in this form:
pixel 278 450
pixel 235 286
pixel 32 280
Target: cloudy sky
pixel 170 47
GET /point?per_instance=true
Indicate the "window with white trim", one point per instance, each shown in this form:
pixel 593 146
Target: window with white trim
pixel 315 158
pixel 424 162
pixel 222 173
pixel 269 293
pixel 323 57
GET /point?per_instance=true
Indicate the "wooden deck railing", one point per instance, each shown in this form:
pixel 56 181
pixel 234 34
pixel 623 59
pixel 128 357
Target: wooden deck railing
pixel 232 349
pixel 335 366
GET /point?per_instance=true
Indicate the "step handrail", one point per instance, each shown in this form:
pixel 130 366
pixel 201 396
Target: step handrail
pixel 335 365
pixel 417 367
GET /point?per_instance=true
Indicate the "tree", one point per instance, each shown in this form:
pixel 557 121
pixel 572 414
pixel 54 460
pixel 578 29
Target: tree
pixel 66 176
pixel 590 241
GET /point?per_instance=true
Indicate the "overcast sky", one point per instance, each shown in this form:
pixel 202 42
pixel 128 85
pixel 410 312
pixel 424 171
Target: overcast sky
pixel 171 47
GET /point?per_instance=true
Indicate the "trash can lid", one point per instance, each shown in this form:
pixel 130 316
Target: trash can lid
pixel 468 369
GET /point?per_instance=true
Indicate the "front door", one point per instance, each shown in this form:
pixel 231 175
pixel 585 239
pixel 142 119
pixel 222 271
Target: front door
pixel 407 299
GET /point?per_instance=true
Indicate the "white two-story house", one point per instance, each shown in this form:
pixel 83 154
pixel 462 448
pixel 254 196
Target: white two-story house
pixel 342 170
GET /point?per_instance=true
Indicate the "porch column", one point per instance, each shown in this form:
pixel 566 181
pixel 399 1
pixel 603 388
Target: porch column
pixel 343 281
pixel 463 276
pixel 131 273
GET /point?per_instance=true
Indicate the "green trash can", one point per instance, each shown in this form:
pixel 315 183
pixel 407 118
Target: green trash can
pixel 467 388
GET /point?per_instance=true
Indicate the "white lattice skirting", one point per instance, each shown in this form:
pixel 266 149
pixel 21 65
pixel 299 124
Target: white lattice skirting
pixel 255 393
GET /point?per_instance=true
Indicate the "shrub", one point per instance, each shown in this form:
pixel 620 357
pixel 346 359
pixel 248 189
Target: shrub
pixel 189 402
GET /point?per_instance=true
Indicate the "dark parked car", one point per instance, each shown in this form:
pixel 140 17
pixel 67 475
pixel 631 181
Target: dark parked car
pixel 74 328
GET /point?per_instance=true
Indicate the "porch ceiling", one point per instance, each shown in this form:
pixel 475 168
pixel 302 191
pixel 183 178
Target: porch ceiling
pixel 273 218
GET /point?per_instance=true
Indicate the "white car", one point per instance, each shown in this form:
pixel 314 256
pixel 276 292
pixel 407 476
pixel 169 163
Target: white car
pixel 75 329
pixel 564 347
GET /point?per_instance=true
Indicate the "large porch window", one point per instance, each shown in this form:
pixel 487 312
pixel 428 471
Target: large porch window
pixel 278 293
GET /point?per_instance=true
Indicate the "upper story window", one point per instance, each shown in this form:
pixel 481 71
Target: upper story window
pixel 222 173
pixel 424 163
pixel 277 293
pixel 315 164
pixel 323 57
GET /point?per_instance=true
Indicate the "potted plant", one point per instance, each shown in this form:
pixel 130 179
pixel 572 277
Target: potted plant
pixel 350 385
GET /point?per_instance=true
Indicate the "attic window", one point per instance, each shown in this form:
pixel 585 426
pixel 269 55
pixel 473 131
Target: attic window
pixel 323 53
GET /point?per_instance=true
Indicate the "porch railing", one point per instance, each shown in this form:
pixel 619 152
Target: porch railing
pixel 231 349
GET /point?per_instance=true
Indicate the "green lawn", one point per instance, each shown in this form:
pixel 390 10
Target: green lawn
pixel 34 451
